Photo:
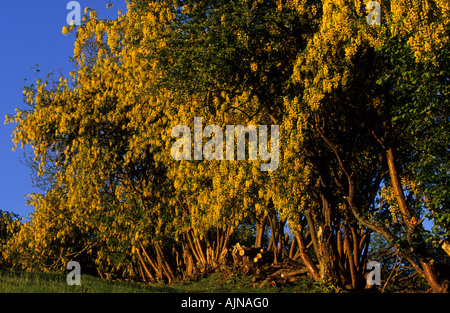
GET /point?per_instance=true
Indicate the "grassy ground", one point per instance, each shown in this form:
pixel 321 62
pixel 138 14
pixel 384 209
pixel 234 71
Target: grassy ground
pixel 26 282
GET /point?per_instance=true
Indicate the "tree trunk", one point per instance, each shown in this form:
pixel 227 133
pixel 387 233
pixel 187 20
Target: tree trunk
pixel 415 232
pixel 313 233
pixel 350 258
pixel 260 228
pixel 142 264
pixel 274 237
pixel 432 279
pixel 397 186
pixel 188 261
pixel 163 265
pixel 312 268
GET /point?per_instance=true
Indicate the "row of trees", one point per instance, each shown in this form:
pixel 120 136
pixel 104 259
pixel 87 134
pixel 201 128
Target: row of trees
pixel 363 114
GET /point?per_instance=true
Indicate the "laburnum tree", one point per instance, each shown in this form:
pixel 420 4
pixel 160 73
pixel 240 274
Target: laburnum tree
pixel 363 116
pixel 366 89
pixel 135 205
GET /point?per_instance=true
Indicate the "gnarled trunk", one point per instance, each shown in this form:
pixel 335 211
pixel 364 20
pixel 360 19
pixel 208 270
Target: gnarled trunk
pixel 415 230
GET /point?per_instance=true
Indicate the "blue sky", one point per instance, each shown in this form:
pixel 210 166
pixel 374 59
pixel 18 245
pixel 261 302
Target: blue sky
pixel 31 34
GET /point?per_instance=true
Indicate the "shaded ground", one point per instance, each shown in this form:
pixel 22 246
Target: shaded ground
pixel 32 282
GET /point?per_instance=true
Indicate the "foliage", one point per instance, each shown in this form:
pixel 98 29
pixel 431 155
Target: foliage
pixel 9 225
pixel 363 116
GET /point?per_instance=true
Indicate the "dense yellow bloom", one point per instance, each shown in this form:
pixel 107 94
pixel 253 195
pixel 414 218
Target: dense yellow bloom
pixel 65 30
pixel 105 131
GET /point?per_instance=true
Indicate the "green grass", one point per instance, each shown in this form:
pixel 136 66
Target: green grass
pixel 33 282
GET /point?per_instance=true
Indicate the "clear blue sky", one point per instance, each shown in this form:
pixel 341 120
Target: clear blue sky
pixel 30 35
